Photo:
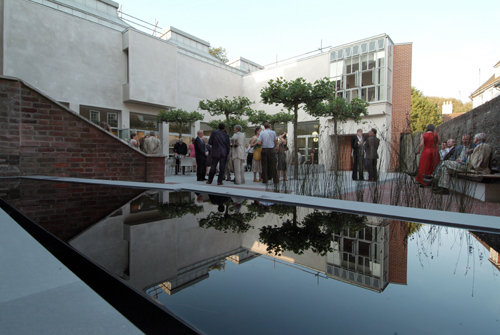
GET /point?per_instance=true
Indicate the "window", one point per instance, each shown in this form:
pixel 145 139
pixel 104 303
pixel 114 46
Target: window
pixel 95 117
pixel 143 121
pixel 333 56
pixel 112 119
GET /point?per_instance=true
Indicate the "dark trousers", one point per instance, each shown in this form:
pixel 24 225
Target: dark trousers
pixel 249 161
pixel 269 165
pixel 201 168
pixel 372 169
pixel 178 165
pixel 357 167
pixel 222 168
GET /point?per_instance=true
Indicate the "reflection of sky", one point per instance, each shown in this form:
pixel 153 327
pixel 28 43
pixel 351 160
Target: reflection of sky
pixel 255 298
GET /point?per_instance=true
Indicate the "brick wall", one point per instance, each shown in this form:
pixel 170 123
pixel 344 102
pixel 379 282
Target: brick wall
pixel 41 137
pixel 65 209
pixel 398 252
pixel 401 98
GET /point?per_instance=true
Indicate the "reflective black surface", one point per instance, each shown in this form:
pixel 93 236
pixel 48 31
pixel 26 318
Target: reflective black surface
pixel 235 266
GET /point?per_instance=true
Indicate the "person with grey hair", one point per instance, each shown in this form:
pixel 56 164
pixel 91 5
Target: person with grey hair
pixel 479 163
pixel 152 144
pixel 238 154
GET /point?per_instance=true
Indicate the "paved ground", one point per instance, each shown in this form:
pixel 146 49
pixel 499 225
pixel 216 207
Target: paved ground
pixel 476 206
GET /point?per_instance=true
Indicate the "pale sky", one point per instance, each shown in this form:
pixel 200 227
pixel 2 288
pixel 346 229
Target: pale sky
pixel 451 40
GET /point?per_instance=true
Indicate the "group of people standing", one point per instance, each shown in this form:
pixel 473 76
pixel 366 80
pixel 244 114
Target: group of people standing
pixel 365 154
pixel 436 166
pixel 262 147
pixel 148 144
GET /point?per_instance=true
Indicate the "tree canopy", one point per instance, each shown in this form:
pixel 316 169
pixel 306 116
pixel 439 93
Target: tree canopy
pixel 458 105
pixel 236 108
pixel 295 94
pixel 179 117
pixel 423 112
pixel 260 117
pixel 214 124
pixel 340 111
pixel 219 53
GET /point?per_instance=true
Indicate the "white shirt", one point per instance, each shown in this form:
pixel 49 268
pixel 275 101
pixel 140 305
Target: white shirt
pixel 267 137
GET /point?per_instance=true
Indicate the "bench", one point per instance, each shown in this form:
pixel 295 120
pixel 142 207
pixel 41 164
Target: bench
pixel 484 187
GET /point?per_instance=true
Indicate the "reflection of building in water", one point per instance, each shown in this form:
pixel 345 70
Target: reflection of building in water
pixel 156 238
pixel 492 243
pixel 370 258
pixel 194 273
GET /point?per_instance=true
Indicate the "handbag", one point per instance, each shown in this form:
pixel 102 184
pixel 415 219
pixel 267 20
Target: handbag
pixel 257 154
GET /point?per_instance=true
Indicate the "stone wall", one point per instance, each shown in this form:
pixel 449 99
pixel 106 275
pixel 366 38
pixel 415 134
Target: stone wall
pixel 482 119
pixel 39 136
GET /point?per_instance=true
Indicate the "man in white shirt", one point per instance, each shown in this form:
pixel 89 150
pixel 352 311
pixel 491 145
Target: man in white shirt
pixel 445 149
pixel 269 141
pixel 238 155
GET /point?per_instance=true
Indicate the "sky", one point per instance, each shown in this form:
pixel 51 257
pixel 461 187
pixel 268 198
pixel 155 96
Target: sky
pixel 455 44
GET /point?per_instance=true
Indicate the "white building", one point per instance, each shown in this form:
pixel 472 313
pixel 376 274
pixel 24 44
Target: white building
pixel 489 90
pixel 81 53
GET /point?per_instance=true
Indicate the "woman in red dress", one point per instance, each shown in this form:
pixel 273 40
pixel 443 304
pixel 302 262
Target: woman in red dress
pixel 430 154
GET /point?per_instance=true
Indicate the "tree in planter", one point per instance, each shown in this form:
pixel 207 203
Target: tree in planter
pixel 293 95
pixel 214 124
pixel 340 111
pixel 260 117
pixel 179 117
pixel 235 108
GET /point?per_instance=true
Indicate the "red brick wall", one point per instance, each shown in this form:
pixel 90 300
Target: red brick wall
pixel 65 209
pixel 40 137
pixel 398 252
pixel 401 98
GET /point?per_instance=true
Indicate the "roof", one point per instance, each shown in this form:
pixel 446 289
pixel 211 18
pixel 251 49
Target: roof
pixel 489 83
pixel 497 64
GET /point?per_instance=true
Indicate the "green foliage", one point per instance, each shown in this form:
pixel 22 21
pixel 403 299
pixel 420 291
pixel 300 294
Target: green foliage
pixel 177 210
pixel 458 105
pixel 315 232
pixel 214 124
pixel 260 117
pixel 339 110
pixel 413 227
pixel 235 108
pixel 423 112
pixel 233 222
pixel 220 53
pixel 295 94
pixel 179 117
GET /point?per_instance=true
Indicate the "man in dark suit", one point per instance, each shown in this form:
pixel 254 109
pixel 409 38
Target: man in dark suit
pixel 201 154
pixel 357 155
pixel 219 140
pixel 371 147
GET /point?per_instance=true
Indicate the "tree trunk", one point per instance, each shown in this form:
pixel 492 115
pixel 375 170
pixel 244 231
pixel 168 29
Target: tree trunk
pixel 227 125
pixel 295 143
pixel 335 146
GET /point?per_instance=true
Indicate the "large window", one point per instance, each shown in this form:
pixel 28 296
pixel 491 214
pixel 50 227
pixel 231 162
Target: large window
pixel 98 115
pixel 360 71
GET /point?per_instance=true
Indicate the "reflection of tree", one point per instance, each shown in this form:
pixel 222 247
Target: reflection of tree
pixel 219 266
pixel 413 227
pixel 178 208
pixel 280 210
pixel 315 232
pixel 224 221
